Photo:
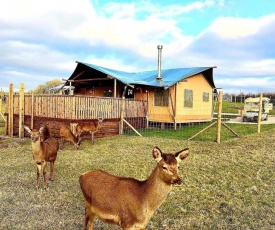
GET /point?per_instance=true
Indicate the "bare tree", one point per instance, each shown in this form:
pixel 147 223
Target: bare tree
pixel 45 88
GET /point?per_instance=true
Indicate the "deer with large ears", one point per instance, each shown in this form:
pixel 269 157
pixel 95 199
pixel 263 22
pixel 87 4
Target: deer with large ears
pixel 43 152
pixel 128 202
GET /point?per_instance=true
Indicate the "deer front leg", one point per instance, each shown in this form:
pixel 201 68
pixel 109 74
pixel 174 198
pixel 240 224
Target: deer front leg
pixel 92 137
pixel 52 171
pixel 38 172
pixel 62 143
pixel 44 165
pixel 89 219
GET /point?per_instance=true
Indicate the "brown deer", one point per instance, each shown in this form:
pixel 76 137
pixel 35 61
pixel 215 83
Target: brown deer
pixel 66 134
pixel 128 202
pixel 92 128
pixel 43 152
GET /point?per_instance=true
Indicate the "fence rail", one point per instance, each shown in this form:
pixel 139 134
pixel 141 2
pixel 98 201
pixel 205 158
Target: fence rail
pixel 78 107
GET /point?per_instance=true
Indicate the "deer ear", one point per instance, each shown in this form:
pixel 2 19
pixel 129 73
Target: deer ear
pixel 41 129
pixel 157 153
pixel 27 129
pixel 181 155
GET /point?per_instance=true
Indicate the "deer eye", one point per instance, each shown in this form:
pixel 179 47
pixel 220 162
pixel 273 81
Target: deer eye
pixel 164 167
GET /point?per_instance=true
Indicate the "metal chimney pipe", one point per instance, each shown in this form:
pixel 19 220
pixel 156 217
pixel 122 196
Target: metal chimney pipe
pixel 159 62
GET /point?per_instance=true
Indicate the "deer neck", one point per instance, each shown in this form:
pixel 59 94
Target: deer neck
pixel 98 126
pixel 155 189
pixel 37 150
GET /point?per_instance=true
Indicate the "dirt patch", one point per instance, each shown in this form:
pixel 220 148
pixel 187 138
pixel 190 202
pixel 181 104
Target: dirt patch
pixel 8 142
pixel 271 120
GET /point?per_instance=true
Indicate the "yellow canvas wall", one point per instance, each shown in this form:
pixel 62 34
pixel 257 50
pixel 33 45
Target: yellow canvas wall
pixel 201 110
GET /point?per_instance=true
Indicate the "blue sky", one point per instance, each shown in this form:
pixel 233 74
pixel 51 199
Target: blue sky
pixel 41 40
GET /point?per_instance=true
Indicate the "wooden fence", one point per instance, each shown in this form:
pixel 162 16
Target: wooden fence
pixel 35 110
pixel 78 107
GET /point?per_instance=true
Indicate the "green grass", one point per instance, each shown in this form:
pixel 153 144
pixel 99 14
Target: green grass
pixel 226 186
pixel 187 132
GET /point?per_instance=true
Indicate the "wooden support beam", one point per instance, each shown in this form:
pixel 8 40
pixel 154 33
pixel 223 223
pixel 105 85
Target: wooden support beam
pixel 32 111
pixel 231 130
pixel 209 126
pixel 21 111
pixel 115 85
pixel 173 109
pixel 260 112
pixel 10 125
pixel 132 127
pixel 219 121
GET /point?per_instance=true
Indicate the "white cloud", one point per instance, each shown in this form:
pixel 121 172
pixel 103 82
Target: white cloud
pixel 45 38
pixel 235 28
pixel 247 85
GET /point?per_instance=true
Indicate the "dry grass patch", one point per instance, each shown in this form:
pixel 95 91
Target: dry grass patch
pixel 226 186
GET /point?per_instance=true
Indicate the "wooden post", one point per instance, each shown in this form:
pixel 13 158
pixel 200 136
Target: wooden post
pixel 32 111
pixel 219 121
pixel 260 112
pixel 10 125
pixel 1 99
pixel 173 109
pixel 122 115
pixel 114 88
pixel 122 112
pixel 21 111
pixel 147 115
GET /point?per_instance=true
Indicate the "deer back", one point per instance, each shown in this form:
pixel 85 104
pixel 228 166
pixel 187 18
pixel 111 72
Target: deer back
pixel 89 127
pixel 50 148
pixel 66 132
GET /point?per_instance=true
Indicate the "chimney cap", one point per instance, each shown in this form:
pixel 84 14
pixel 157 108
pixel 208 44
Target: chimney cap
pixel 160 46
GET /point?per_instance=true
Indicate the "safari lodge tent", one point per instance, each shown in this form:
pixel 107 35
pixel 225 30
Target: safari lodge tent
pixel 175 96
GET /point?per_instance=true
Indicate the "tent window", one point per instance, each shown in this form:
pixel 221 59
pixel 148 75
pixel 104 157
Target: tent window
pixel 205 97
pixel 188 98
pixel 161 97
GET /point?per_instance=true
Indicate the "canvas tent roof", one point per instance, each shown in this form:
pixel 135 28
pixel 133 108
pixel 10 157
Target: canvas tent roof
pixel 148 78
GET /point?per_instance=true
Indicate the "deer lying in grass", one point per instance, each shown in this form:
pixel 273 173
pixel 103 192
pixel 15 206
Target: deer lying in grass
pixel 43 152
pixel 66 134
pixel 92 128
pixel 128 202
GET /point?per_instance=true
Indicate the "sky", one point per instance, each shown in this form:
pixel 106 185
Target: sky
pixel 41 40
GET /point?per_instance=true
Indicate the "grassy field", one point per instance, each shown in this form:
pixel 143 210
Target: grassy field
pixel 187 132
pixel 226 186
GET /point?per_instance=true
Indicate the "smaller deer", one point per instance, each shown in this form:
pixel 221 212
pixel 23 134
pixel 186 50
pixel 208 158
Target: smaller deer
pixel 128 202
pixel 92 128
pixel 66 134
pixel 43 152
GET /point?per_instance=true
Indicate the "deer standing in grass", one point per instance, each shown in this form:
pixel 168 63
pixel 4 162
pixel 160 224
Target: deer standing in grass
pixel 92 128
pixel 128 202
pixel 43 152
pixel 66 134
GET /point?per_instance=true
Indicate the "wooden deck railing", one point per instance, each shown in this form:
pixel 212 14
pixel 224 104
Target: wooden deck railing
pixel 78 107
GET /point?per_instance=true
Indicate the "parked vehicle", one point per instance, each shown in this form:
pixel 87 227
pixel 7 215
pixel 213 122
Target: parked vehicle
pixel 252 106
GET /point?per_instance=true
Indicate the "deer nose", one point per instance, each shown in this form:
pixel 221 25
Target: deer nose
pixel 178 181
